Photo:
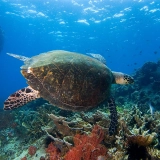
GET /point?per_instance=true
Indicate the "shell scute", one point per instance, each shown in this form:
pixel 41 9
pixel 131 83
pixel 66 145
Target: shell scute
pixel 69 80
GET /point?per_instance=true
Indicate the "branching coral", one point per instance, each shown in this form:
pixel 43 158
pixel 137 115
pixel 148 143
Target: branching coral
pixel 61 132
pixel 6 120
pixel 154 152
pixel 63 126
pixel 30 123
pixel 53 152
pixel 61 144
pixel 141 141
pixel 88 147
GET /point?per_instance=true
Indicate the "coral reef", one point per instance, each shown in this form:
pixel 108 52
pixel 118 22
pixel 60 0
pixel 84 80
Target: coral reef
pixel 145 90
pixel 64 136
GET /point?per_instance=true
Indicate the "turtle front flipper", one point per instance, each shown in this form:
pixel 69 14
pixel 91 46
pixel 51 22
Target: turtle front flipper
pixel 20 98
pixel 22 58
pixel 113 116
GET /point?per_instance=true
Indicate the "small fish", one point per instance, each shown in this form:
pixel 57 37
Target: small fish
pixel 151 108
pixel 98 57
pixel 155 52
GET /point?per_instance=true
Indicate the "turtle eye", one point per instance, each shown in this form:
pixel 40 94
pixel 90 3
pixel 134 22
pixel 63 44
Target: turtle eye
pixel 128 79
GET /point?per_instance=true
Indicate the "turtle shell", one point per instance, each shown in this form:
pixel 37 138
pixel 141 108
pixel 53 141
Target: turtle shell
pixel 68 80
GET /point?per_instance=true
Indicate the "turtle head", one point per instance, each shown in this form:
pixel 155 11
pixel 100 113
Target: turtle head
pixel 121 78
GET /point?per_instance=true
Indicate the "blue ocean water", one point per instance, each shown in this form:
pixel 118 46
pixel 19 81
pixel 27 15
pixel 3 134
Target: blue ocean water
pixel 125 32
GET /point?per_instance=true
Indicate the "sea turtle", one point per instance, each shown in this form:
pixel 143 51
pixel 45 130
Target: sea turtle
pixel 68 80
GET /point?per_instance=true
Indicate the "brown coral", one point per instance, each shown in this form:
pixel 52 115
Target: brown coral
pixel 140 140
pixel 138 144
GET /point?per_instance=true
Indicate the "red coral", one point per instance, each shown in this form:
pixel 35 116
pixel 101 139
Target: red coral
pixel 88 147
pixel 54 153
pixel 24 158
pixel 32 150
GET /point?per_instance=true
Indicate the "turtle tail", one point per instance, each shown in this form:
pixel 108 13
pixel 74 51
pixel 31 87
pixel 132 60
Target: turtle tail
pixel 113 116
pixel 20 98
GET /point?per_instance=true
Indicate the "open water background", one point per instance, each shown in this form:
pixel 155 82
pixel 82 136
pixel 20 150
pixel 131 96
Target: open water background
pixel 125 32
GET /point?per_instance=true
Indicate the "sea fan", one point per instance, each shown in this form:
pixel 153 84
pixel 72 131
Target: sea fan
pixel 88 147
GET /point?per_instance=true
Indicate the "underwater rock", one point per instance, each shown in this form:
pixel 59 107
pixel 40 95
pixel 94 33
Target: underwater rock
pixel 156 85
pixel 147 74
pixel 149 67
pixel 145 90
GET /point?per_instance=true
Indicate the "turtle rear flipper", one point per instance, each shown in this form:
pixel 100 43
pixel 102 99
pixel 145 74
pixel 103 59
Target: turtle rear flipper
pixel 113 116
pixel 20 98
